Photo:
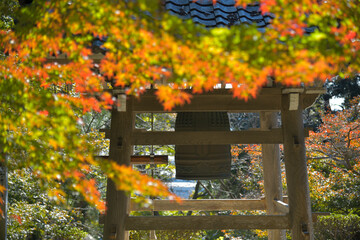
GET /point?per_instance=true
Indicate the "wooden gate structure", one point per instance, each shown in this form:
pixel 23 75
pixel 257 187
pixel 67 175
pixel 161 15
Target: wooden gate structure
pixel 295 214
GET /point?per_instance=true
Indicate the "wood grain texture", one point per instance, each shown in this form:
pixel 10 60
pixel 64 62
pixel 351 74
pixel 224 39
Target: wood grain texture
pixel 296 172
pixel 207 222
pixel 202 205
pixel 272 171
pixel 117 202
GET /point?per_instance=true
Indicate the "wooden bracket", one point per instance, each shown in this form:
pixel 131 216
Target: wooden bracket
pixel 281 206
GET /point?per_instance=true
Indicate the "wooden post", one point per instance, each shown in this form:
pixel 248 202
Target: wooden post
pixel 272 172
pixel 296 168
pixel 117 202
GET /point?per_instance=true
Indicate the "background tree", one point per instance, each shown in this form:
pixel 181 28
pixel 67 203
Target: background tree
pixel 347 88
pixel 334 161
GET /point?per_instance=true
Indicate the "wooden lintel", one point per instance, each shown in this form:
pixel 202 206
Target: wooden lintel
pixel 268 99
pixel 273 136
pixel 202 205
pixel 281 207
pixel 218 100
pixel 292 90
pixel 207 222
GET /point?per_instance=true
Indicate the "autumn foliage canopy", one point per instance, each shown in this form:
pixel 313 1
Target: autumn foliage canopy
pixel 42 100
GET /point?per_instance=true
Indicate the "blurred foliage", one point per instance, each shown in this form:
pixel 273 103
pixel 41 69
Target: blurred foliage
pixel 337 227
pixel 35 214
pixel 7 13
pixel 166 235
pixel 37 221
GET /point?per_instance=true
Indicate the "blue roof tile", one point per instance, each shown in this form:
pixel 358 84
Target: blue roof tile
pixel 223 13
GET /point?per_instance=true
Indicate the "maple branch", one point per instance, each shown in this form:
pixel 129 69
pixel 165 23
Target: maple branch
pixel 206 189
pixel 319 151
pixel 333 165
pixel 89 125
pixel 349 134
pixel 348 137
pixel 337 150
pixel 227 189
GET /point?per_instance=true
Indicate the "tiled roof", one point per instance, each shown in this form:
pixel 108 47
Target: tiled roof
pixel 222 13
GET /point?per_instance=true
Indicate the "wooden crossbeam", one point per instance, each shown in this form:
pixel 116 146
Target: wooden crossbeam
pixel 274 136
pixel 233 137
pixel 202 205
pixel 145 159
pixel 315 215
pixel 207 222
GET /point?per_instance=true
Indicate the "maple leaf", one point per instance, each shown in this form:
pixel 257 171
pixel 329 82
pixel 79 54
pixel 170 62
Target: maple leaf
pixel 351 35
pixel 17 218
